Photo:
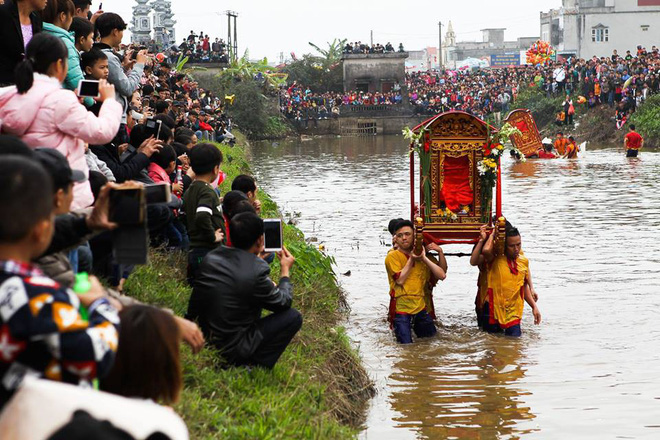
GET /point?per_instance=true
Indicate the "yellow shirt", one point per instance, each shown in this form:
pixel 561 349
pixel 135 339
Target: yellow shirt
pixel 410 297
pixel 505 290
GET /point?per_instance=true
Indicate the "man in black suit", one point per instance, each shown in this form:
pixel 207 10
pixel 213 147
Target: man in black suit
pixel 232 288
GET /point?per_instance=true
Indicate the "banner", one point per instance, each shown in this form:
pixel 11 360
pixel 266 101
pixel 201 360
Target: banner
pixel 505 60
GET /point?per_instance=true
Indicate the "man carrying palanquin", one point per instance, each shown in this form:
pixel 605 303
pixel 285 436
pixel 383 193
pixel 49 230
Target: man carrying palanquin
pixel 508 286
pixel 411 279
pixel 560 144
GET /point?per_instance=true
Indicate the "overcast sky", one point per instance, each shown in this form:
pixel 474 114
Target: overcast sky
pixel 268 28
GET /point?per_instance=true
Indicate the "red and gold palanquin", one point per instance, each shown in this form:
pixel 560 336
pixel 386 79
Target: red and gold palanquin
pixel 529 140
pixel 457 141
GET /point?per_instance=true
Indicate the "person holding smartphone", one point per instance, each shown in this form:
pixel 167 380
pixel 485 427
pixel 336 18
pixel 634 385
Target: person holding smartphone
pixel 234 286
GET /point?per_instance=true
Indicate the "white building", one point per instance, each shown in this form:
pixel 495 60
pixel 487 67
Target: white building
pixel 597 27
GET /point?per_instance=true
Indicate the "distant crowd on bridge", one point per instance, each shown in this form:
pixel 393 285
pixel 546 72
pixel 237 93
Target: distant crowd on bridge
pixel 359 47
pixel 621 82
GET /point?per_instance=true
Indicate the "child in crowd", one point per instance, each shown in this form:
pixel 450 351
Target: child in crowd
pixel 42 330
pixel 58 17
pixel 41 113
pixel 202 206
pixel 248 186
pixel 83 34
pixel 163 164
pixel 95 66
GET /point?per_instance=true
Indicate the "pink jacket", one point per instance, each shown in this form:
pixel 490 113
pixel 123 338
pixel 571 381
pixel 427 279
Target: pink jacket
pixel 49 116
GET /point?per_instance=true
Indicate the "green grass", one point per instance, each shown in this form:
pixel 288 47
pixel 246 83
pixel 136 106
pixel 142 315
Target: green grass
pixel 318 389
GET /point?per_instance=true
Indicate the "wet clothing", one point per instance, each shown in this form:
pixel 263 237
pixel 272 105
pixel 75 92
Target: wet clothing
pixel 634 141
pixel 544 155
pixel 421 323
pixel 571 150
pixel 514 330
pixel 560 146
pixel 411 304
pixel 632 153
pixel 506 282
pixel 411 296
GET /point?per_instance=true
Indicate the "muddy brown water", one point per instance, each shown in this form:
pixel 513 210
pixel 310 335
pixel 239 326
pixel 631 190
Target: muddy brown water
pixel 590 228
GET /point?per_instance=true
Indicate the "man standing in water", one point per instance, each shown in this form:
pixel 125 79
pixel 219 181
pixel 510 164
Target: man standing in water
pixel 507 276
pixel 633 142
pixel 411 277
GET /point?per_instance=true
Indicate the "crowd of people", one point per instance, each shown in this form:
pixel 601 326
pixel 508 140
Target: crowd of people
pixel 201 49
pixel 361 48
pixel 621 82
pixel 90 130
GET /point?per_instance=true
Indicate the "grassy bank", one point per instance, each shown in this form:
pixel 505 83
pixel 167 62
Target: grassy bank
pixel 647 121
pixel 318 389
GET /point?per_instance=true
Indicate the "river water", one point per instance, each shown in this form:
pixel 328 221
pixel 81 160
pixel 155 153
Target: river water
pixel 590 230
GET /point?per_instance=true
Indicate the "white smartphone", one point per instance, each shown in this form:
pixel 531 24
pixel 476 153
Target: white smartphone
pixel 273 234
pixel 88 88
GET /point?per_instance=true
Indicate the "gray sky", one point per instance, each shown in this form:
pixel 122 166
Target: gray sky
pixel 268 28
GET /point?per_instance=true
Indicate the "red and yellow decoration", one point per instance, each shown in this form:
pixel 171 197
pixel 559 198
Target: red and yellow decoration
pixel 540 53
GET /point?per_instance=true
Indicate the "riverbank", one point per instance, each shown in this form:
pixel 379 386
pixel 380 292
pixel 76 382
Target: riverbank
pixel 319 389
pixel 595 125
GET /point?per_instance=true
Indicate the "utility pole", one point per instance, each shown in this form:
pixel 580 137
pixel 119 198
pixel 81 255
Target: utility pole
pixel 372 38
pixel 232 43
pixel 440 45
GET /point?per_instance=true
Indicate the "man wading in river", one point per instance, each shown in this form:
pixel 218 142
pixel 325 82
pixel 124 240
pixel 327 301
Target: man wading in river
pixel 411 277
pixel 507 278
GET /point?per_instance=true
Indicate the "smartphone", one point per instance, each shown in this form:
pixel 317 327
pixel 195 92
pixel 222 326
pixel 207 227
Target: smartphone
pixel 146 103
pixel 88 87
pixel 158 193
pixel 152 127
pixel 127 206
pixel 101 6
pixel 273 234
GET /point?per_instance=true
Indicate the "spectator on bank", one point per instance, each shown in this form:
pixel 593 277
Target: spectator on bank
pixel 42 114
pixel 248 186
pixel 201 205
pixel 83 34
pixel 83 10
pixel 58 17
pixel 147 364
pixel 230 292
pixel 46 344
pixel 19 22
pixel 111 28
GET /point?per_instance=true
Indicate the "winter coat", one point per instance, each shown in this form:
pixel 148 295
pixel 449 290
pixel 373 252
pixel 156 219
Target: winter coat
pixel 11 39
pixel 49 116
pixel 74 73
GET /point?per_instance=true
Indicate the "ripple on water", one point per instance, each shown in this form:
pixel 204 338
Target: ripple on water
pixel 590 230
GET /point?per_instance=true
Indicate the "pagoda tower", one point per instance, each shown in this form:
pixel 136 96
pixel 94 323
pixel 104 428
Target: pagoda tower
pixel 141 25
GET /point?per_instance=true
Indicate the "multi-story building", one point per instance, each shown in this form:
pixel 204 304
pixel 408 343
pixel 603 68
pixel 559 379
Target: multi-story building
pixel 492 47
pixel 597 27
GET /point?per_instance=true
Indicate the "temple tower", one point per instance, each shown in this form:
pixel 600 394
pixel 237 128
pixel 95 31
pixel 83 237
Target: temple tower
pixel 141 25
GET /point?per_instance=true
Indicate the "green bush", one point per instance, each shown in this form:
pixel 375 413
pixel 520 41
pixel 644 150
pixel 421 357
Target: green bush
pixel 647 121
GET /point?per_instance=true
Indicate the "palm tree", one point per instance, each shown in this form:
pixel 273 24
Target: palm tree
pixel 331 56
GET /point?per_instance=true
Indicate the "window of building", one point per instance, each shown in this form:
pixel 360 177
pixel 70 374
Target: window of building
pixel 600 34
pixel 645 27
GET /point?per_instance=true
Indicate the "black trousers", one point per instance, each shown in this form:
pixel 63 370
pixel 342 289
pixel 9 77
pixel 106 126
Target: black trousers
pixel 277 329
pixel 632 153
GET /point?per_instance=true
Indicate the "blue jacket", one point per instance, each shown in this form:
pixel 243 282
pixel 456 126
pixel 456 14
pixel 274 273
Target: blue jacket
pixel 74 74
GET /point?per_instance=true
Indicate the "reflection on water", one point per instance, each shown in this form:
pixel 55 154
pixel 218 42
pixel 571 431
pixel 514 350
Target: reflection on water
pixel 590 229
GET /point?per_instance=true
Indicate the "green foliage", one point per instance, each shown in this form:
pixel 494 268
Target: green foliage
pixel 647 121
pixel 244 70
pixel 543 109
pixel 322 72
pixel 317 390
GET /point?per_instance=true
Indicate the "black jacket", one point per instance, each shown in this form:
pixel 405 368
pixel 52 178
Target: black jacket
pixel 130 169
pixel 12 50
pixel 232 288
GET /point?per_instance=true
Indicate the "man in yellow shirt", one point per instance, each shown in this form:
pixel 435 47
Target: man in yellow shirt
pixel 411 279
pixel 507 287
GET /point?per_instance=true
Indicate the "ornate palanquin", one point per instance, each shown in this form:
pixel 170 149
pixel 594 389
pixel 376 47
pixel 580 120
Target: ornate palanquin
pixel 456 140
pixel 529 141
